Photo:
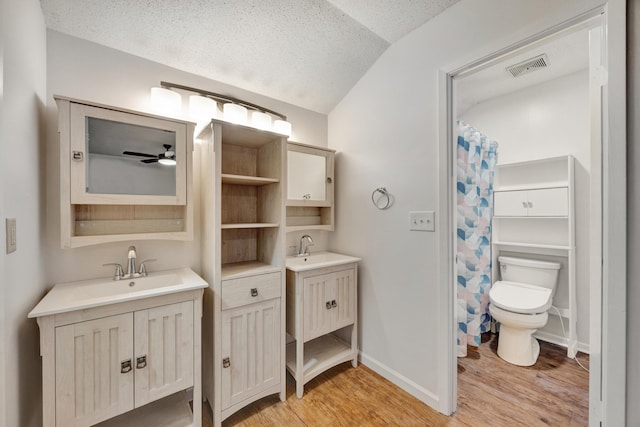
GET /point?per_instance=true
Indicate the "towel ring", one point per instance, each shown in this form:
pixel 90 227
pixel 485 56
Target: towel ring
pixel 383 194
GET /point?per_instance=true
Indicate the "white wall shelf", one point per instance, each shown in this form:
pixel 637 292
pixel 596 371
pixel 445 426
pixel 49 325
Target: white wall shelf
pixel 535 215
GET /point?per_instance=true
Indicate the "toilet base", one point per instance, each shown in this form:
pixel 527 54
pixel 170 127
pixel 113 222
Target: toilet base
pixel 518 346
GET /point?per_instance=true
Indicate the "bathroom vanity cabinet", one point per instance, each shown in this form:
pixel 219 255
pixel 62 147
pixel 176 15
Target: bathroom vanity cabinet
pixel 243 176
pixel 320 302
pixel 101 361
pixel 310 199
pixel 534 214
pixel 113 186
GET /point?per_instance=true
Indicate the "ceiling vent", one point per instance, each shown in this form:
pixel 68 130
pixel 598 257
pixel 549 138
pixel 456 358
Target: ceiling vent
pixel 529 66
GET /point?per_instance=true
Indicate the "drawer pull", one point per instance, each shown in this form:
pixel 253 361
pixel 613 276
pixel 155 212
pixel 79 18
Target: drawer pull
pixel 226 362
pixel 334 303
pixel 141 362
pixel 125 366
pixel 328 305
pixel 254 292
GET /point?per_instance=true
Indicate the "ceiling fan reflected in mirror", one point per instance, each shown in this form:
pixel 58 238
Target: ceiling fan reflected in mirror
pixel 166 158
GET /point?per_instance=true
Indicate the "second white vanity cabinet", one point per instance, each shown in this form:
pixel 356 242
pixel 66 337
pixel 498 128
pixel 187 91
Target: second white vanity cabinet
pixel 109 347
pixel 107 366
pixel 322 306
pixel 328 302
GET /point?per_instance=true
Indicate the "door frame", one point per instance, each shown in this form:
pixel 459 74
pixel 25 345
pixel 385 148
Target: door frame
pixel 607 379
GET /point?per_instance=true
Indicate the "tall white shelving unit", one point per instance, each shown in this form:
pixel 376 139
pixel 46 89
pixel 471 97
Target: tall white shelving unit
pixel 534 215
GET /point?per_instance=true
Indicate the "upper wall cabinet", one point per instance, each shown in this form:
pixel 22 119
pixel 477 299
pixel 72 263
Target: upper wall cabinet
pixel 123 175
pixel 309 187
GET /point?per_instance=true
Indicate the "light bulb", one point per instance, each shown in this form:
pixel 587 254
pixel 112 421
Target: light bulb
pixel 283 127
pixel 260 120
pixel 235 113
pixel 165 101
pixel 202 108
pixel 167 162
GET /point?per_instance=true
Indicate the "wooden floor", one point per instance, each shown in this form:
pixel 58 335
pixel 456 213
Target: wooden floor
pixel 491 392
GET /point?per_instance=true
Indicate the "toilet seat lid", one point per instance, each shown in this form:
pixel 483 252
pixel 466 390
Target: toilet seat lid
pixel 520 297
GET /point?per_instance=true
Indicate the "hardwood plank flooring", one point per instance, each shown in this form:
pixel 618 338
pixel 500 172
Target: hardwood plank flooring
pixel 491 392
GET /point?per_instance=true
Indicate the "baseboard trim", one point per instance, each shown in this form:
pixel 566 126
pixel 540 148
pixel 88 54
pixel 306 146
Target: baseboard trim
pixel 401 381
pixel 560 340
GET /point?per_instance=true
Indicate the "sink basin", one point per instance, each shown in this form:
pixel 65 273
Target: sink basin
pixel 96 292
pixel 318 260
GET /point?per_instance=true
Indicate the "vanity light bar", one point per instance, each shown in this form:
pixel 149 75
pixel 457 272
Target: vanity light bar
pixel 222 98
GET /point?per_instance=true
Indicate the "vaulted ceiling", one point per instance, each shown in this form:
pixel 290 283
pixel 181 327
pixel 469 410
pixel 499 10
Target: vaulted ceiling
pixel 306 52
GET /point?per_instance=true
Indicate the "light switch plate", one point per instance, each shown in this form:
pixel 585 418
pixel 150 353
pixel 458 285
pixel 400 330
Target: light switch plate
pixel 422 221
pixel 11 235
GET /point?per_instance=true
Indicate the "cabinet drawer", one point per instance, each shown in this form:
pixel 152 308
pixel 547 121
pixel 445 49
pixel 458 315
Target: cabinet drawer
pixel 247 290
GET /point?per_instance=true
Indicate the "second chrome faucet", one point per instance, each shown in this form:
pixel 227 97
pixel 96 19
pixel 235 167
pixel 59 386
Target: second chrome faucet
pixel 305 242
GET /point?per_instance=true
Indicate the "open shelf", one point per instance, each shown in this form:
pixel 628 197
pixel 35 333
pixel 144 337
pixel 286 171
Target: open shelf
pixel 320 354
pixel 228 178
pixel 247 268
pixel 309 218
pixel 249 225
pixel 171 411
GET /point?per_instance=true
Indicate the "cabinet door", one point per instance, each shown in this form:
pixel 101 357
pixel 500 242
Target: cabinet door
pixel 510 203
pixel 107 147
pixel 250 350
pixel 549 202
pixel 92 384
pixel 316 306
pixel 343 298
pixel 163 351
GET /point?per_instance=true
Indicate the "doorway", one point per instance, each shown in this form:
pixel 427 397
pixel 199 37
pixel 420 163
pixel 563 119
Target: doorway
pixel 603 318
pixel 530 193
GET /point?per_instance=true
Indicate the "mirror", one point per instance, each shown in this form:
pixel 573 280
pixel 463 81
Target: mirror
pixel 124 158
pixel 307 175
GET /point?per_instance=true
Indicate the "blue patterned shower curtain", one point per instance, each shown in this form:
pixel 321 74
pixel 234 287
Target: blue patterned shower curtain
pixel 476 160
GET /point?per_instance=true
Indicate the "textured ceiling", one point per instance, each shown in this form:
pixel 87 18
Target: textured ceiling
pixel 305 52
pixel 567 53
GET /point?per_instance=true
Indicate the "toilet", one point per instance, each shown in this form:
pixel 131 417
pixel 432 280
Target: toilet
pixel 519 302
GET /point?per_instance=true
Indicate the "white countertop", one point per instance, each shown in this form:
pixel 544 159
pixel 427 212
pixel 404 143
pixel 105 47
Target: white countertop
pixel 318 260
pixel 83 294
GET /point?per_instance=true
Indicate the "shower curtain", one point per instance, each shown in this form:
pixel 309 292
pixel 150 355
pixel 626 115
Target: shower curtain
pixel 476 160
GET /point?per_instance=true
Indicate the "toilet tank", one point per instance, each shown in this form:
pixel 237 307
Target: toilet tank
pixel 531 271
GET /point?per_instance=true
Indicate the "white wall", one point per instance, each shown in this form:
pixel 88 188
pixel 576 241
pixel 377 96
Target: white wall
pixel 549 120
pixel 385 131
pixel 84 70
pixel 21 178
pixel 633 213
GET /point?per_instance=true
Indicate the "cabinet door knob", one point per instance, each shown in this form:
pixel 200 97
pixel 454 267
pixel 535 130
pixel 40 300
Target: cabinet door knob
pixel 141 362
pixel 254 292
pixel 334 303
pixel 125 366
pixel 524 204
pixel 530 204
pixel 328 305
pixel 226 362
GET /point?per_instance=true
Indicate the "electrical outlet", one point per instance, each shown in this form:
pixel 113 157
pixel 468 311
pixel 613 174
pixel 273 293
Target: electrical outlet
pixel 11 235
pixel 422 221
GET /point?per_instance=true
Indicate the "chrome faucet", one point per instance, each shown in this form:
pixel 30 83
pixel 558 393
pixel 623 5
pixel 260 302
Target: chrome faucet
pixel 131 266
pixel 305 242
pixel 131 262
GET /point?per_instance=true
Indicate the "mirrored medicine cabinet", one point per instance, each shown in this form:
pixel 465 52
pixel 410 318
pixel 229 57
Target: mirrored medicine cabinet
pixel 123 174
pixel 310 184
